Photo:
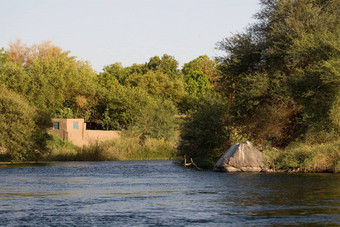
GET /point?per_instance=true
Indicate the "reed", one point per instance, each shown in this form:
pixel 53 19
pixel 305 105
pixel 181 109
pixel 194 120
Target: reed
pixel 128 147
pixel 60 150
pixel 305 157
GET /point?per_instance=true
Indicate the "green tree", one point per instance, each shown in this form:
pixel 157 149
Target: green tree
pixel 121 107
pixel 57 84
pixel 23 128
pixel 197 83
pixel 50 79
pixel 284 67
pixel 126 108
pixel 159 85
pixel 204 134
pixel 205 65
pixel 167 64
pixel 198 75
pixel 116 72
pixel 15 78
pixel 3 56
pixel 157 120
pixel 112 73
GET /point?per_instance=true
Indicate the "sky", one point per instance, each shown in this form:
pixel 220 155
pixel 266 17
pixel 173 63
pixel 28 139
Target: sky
pixel 128 31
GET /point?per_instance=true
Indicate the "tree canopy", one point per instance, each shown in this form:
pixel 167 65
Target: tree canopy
pixel 281 75
pixel 277 82
pixel 23 127
pixel 204 134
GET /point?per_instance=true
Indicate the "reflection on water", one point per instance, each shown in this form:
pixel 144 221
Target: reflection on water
pixel 34 194
pixel 160 193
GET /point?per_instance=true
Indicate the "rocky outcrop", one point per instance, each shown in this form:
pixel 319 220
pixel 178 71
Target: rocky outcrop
pixel 241 157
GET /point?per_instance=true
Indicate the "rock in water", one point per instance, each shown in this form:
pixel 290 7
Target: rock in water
pixel 241 157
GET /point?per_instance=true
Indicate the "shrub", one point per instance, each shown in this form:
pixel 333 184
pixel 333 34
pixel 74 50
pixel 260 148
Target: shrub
pixel 204 135
pixel 321 157
pixel 60 150
pixel 23 128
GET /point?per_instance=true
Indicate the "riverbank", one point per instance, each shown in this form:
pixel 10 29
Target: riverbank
pixel 296 158
pixel 306 157
pixel 128 147
pixel 46 163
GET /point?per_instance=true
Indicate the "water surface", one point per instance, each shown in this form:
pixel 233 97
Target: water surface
pixel 160 193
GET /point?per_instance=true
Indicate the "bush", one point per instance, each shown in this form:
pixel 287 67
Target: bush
pixel 60 150
pixel 157 120
pixel 23 129
pixel 133 108
pixel 302 156
pixel 204 135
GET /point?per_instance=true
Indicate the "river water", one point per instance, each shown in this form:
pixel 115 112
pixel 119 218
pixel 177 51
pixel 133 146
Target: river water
pixel 160 193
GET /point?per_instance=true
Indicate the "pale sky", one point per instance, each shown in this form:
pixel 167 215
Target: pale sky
pixel 128 31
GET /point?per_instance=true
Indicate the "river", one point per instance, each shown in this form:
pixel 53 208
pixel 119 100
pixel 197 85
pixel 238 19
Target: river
pixel 160 193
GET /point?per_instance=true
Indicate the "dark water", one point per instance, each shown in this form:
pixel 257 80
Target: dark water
pixel 160 193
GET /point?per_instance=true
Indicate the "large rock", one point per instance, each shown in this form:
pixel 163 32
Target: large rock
pixel 241 157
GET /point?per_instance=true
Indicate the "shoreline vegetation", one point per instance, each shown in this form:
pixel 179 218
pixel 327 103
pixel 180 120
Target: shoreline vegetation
pixel 277 85
pixel 298 157
pixel 120 149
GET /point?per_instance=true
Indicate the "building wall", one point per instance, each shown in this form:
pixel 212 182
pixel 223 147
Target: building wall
pixel 79 135
pixel 94 136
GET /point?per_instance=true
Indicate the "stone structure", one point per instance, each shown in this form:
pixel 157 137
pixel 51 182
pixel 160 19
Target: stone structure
pixel 241 157
pixel 74 130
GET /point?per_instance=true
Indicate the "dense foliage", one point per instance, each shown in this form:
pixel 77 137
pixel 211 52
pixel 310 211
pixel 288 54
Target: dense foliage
pixel 198 73
pixel 204 136
pixel 281 76
pixel 49 79
pixel 277 84
pixel 281 82
pixel 23 127
pixel 144 98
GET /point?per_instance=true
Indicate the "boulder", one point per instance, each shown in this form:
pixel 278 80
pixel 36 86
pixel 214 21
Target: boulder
pixel 241 157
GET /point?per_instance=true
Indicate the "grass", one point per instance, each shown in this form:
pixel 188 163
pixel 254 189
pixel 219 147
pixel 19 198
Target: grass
pixel 60 150
pixel 128 147
pixel 310 155
pixel 306 157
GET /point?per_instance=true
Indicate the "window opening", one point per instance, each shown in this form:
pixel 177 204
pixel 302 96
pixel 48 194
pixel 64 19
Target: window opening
pixel 56 125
